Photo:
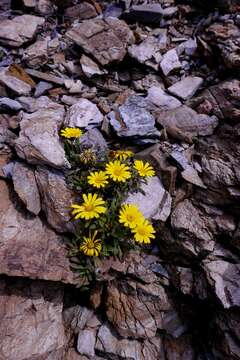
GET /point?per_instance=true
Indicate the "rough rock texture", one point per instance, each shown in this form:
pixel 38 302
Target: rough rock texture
pixel 161 99
pixel 186 88
pixel 83 114
pixel 13 83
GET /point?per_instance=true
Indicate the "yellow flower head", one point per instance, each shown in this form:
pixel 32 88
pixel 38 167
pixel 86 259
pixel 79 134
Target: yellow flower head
pixel 71 133
pixel 98 179
pixel 130 215
pixel 143 232
pixel 144 169
pixel 92 206
pixel 91 246
pixel 122 154
pixel 118 171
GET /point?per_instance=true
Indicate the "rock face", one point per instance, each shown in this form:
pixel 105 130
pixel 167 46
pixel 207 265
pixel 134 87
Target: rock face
pixel 19 30
pixel 106 40
pixel 83 114
pixel 39 141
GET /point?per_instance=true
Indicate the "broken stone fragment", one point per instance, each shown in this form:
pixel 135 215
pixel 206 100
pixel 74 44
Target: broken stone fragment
pixel 25 185
pixel 82 11
pixel 19 30
pixel 86 342
pixel 89 67
pixel 41 88
pixel 106 40
pixel 170 62
pixel 38 141
pixel 74 87
pixel 37 54
pixel 156 203
pixel 7 104
pixel 147 52
pixel 93 139
pixel 83 114
pixel 161 99
pixel 56 198
pixel 16 85
pixel 144 13
pixel 186 88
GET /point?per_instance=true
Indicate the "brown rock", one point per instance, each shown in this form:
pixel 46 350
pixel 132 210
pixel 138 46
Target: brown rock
pixel 18 86
pixel 82 11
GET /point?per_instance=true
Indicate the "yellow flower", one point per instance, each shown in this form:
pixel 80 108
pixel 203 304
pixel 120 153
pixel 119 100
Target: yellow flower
pixel 91 207
pixel 98 179
pixel 90 245
pixel 130 215
pixel 71 133
pixel 144 169
pixel 118 171
pixel 143 232
pixel 122 154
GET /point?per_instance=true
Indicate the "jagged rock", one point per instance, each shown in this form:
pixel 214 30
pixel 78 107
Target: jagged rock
pixel 180 348
pixel 94 139
pixel 170 12
pixel 188 121
pixel 19 30
pixel 86 342
pixel 28 247
pixel 106 39
pixel 41 88
pixel 170 62
pixel 7 104
pixel 31 105
pixel 24 182
pixel 82 11
pixel 161 99
pixel 56 198
pixel 46 76
pixel 38 53
pixel 147 52
pixel 18 86
pixel 38 141
pixel 31 319
pixel 156 203
pixel 186 88
pixel 133 119
pixel 89 67
pixel 144 13
pixel 83 114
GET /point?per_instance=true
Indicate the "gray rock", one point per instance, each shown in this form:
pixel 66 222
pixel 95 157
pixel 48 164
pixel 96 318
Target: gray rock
pixel 31 105
pixel 86 342
pixel 37 53
pixel 19 30
pixel 188 47
pixel 158 97
pixel 156 203
pixel 133 119
pixel 170 62
pixel 188 121
pixel 18 86
pixel 146 13
pixel 170 12
pixel 24 182
pixel 89 67
pixel 83 114
pixel 186 88
pixel 106 40
pixel 93 139
pixel 41 88
pixel 147 52
pixel 38 141
pixel 56 199
pixel 7 104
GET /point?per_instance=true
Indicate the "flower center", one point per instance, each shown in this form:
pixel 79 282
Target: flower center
pixel 118 172
pixel 130 217
pixel 89 207
pixel 90 244
pixel 142 231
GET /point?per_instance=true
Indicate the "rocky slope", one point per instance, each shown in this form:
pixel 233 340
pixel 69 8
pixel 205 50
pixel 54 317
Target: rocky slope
pixel 162 78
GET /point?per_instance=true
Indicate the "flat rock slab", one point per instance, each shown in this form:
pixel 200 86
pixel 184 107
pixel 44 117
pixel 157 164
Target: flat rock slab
pixel 146 13
pixel 161 99
pixel 186 88
pixel 106 40
pixel 170 62
pixel 28 248
pixel 147 52
pixel 19 30
pixel 16 85
pixel 83 114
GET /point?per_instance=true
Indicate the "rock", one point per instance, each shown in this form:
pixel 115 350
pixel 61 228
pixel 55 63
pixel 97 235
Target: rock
pixel 147 52
pixel 45 76
pixel 56 198
pixel 132 119
pixel 180 348
pixel 19 30
pixel 45 7
pixel 93 139
pixel 106 40
pixel 31 105
pixel 145 13
pixel 188 47
pixel 89 67
pixel 31 319
pixel 24 182
pixel 7 104
pixel 156 203
pixel 37 54
pixel 170 62
pixel 83 114
pixel 82 11
pixel 186 88
pixel 28 247
pixel 74 87
pixel 16 85
pixel 170 12
pixel 38 141
pixel 223 277
pixel 161 99
pixel 41 88
pixel 86 342
pixel 188 121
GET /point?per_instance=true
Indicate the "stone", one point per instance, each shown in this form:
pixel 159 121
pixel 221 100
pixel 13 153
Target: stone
pixel 74 87
pixel 7 104
pixel 37 53
pixel 93 139
pixel 147 52
pixel 31 319
pixel 16 85
pixel 89 67
pixel 144 13
pixel 38 141
pixel 106 40
pixel 170 62
pixel 188 121
pixel 86 342
pixel 28 247
pixel 82 11
pixel 31 105
pixel 19 30
pixel 156 203
pixel 46 77
pixel 56 198
pixel 132 119
pixel 25 185
pixel 186 88
pixel 158 97
pixel 42 88
pixel 170 12
pixel 83 114
pixel 45 7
